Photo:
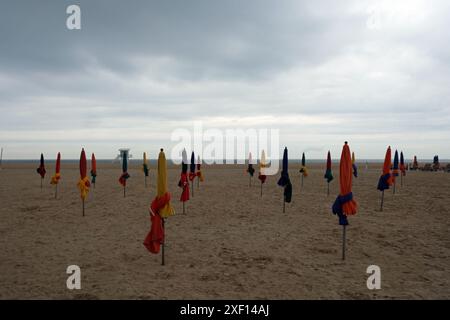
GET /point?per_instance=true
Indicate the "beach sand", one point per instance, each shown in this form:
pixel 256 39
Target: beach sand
pixel 231 244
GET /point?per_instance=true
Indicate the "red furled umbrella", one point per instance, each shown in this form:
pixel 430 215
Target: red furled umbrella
pixel 386 178
pixel 41 169
pixel 93 169
pixel 199 173
pixel 192 173
pixel 57 176
pixel 345 205
pixel 184 180
pixel 124 176
pixel 83 183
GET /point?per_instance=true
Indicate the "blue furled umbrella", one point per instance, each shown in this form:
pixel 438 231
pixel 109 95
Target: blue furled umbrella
pixel 395 170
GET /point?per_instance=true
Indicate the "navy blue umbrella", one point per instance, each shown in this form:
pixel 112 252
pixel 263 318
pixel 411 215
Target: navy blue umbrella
pixel 284 180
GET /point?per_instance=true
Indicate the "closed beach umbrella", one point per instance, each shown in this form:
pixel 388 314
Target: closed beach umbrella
pixel 57 176
pixel 285 181
pixel 41 169
pixel 124 176
pixel 415 163
pixel 345 205
pixel 145 169
pixel 160 209
pixel 262 171
pixel 328 173
pixel 436 164
pixel 303 169
pixel 184 182
pixel 199 173
pixel 93 169
pixel 395 169
pixel 355 168
pixel 83 183
pixel 402 168
pixel 250 169
pixel 386 178
pixel 192 174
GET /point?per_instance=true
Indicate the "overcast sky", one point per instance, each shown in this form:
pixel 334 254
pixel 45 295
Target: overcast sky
pixel 375 73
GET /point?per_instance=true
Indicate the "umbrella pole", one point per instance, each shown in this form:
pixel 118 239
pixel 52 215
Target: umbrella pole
pixel 82 200
pixel 41 182
pixel 184 210
pixel 192 187
pixel 261 189
pixel 302 180
pixel 56 191
pixel 382 200
pixel 124 191
pixel 328 188
pixel 145 181
pixel 198 183
pixel 401 180
pixel 162 245
pixel 284 204
pixel 94 185
pixel 343 242
pixel 394 187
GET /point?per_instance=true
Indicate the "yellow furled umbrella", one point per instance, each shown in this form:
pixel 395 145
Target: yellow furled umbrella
pixel 159 210
pixel 162 192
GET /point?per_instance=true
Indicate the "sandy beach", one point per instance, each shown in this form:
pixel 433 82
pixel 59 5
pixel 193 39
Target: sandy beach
pixel 231 244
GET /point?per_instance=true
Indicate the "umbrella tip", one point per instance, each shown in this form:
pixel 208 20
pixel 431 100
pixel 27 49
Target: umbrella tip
pixel 161 149
pixel 346 142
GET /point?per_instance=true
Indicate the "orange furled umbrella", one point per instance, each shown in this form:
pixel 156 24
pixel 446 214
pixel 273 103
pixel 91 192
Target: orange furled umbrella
pixel 57 176
pixel 386 178
pixel 83 183
pixel 345 205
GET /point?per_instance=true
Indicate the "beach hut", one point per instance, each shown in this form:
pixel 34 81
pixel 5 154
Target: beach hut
pixel 160 209
pixel 345 205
